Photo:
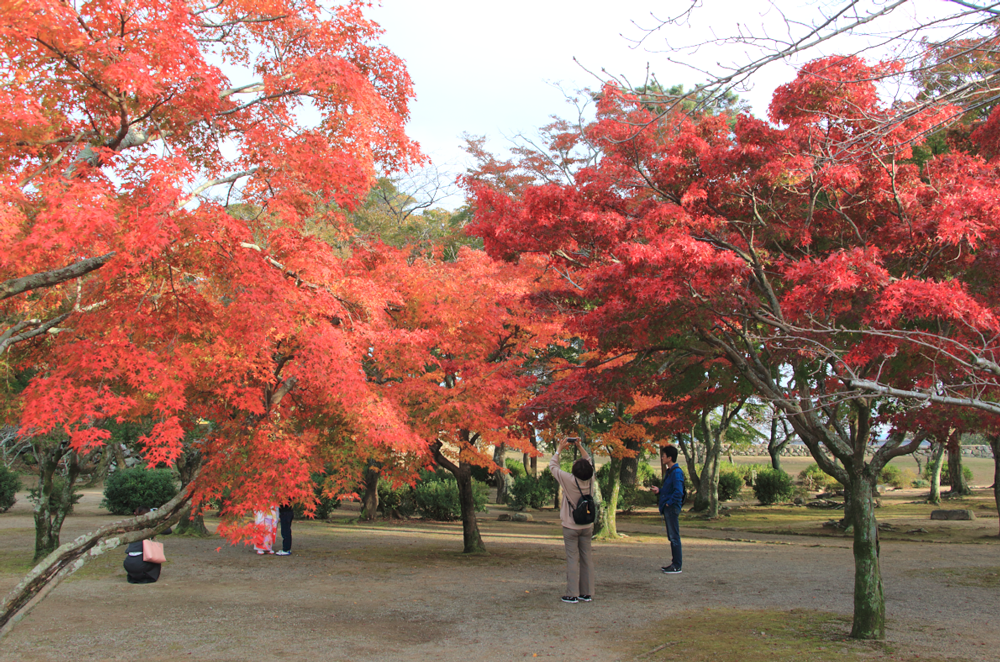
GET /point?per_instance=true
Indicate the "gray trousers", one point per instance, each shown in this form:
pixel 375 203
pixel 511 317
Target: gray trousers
pixel 579 568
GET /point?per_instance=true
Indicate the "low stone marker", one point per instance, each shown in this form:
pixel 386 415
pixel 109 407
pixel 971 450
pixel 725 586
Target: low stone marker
pixel 515 517
pixel 959 514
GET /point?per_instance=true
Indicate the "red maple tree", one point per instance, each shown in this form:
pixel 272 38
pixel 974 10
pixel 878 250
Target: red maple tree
pixel 130 284
pixel 809 253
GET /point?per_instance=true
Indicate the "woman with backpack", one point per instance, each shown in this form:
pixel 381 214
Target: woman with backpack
pixel 576 513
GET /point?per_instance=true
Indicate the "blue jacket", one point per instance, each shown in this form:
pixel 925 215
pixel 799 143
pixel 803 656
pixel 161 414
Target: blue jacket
pixel 672 492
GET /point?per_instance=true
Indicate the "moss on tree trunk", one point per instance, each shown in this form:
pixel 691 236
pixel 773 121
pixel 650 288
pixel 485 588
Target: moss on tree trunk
pixel 937 460
pixel 869 597
pixel 995 447
pixel 55 495
pixel 609 503
pixel 188 525
pixel 959 486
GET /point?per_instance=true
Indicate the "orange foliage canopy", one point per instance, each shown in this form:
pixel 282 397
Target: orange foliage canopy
pixel 469 338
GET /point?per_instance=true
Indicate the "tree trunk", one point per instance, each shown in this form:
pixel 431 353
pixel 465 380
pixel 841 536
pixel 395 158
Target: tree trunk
pixel 707 498
pixel 920 465
pixel 472 541
pixel 630 465
pixel 937 459
pixel 869 597
pixel 775 447
pixel 191 525
pixel 602 512
pixel 709 483
pixel 526 461
pixel 369 502
pixel 959 486
pixel 103 467
pixel 609 524
pixel 500 476
pixel 995 447
pixel 188 523
pixel 689 453
pixel 55 498
pixel 116 448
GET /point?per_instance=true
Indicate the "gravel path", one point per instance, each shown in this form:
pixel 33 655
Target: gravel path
pixel 394 592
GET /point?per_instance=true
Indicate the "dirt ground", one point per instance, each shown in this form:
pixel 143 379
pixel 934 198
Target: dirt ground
pixel 404 592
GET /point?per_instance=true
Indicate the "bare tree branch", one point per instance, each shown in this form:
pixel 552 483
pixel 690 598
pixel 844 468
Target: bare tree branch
pixel 16 286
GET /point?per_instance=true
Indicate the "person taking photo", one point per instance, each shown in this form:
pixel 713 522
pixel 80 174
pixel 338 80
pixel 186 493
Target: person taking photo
pixel 577 537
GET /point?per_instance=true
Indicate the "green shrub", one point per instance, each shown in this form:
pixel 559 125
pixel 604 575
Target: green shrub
pixel 58 491
pixel 630 497
pixel 548 481
pixel 438 499
pixel 772 486
pixel 395 501
pixel 482 474
pixel 646 476
pixel 895 477
pixel 138 487
pixel 516 468
pixel 814 478
pixel 439 474
pixel 9 485
pixel 752 471
pixel 641 496
pixel 945 473
pixel 730 485
pixel 746 472
pixel 920 482
pixel 527 492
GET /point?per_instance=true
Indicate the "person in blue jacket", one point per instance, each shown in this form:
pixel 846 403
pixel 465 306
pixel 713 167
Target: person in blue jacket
pixel 671 500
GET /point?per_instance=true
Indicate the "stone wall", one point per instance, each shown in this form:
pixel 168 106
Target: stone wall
pixel 800 450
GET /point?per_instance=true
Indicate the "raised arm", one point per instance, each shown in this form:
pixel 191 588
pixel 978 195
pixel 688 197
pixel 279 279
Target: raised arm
pixel 554 462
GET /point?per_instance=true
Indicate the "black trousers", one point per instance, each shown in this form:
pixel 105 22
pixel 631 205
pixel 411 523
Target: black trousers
pixel 141 572
pixel 285 517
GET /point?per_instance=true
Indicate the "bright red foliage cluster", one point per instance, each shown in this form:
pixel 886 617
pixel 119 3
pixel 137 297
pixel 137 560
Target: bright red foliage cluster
pixel 817 235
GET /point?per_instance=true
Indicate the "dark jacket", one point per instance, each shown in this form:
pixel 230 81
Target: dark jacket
pixel 672 492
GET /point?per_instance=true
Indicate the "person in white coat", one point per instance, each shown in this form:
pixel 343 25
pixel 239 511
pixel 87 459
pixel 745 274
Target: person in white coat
pixel 269 520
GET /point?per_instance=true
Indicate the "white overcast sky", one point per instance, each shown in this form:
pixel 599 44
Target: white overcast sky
pixel 492 68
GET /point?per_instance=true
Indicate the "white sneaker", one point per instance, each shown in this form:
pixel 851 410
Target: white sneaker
pixel 283 553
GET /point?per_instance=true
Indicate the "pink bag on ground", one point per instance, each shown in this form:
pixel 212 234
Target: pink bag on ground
pixel 152 552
